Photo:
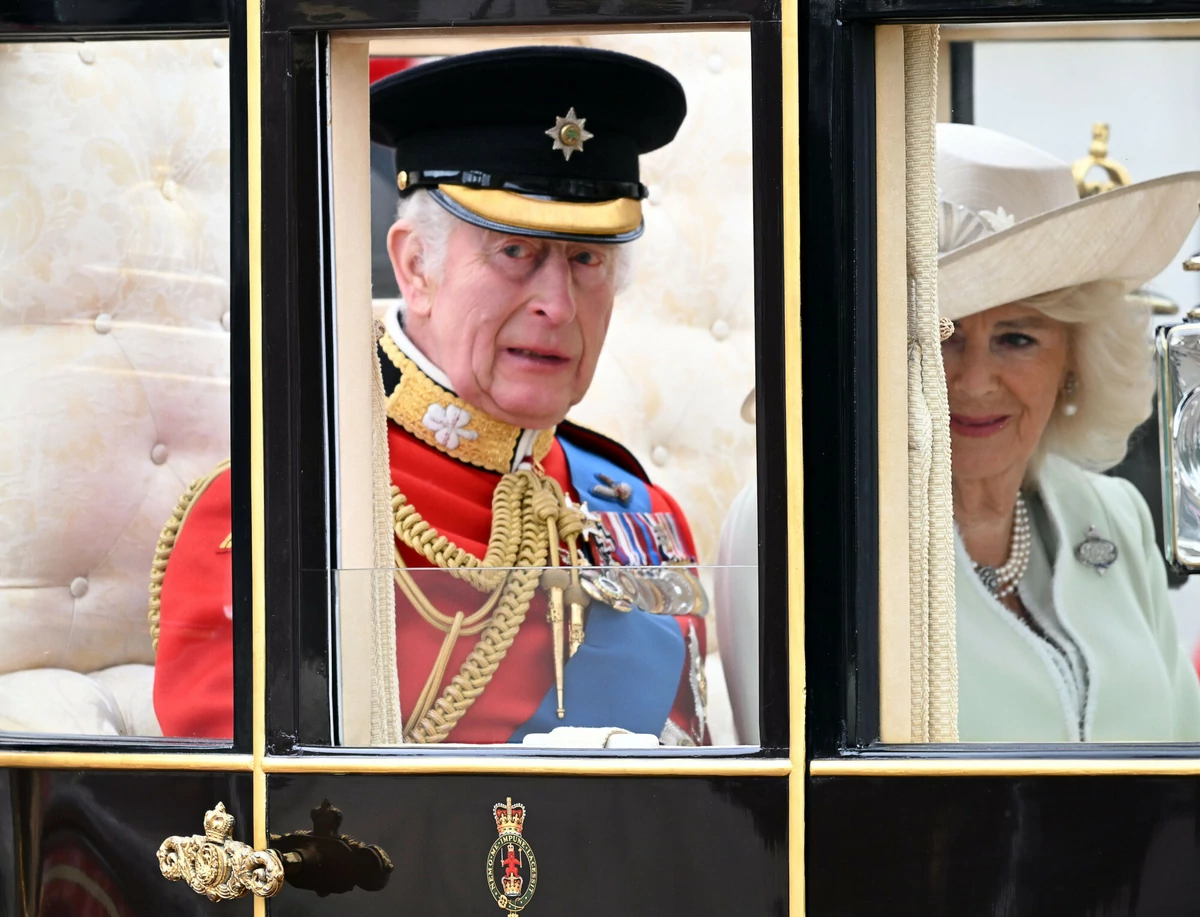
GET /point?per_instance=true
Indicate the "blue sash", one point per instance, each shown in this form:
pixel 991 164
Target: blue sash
pixel 628 669
pixel 585 469
pixel 626 673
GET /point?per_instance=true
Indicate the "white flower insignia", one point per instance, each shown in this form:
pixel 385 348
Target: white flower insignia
pixel 959 226
pixel 449 424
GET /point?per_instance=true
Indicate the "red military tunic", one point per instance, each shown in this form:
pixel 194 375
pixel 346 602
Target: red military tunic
pixel 193 669
pixel 193 691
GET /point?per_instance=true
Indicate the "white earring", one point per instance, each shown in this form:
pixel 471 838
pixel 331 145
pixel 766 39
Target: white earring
pixel 1070 387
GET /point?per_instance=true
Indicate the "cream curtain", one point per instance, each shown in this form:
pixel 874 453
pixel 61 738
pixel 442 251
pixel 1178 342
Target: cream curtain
pixel 934 661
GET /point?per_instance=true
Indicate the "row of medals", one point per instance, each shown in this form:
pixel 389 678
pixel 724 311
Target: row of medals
pixel 658 590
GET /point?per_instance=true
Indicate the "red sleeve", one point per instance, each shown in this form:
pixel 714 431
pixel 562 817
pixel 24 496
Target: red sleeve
pixel 683 713
pixel 193 672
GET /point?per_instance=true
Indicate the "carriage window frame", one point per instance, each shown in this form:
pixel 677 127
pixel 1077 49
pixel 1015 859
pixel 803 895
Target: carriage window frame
pixel 871 684
pixel 298 645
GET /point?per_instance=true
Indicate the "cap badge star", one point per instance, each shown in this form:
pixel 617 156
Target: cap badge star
pixel 568 133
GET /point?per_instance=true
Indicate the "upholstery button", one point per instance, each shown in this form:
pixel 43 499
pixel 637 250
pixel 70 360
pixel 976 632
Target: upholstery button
pixel 158 454
pixel 218 57
pixel 169 189
pixel 103 323
pixel 225 321
pixel 716 63
pixel 659 455
pixel 87 55
pixel 79 587
pixel 720 329
pixel 652 196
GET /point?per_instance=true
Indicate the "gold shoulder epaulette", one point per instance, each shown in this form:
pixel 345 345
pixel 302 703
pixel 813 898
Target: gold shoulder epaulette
pixel 166 543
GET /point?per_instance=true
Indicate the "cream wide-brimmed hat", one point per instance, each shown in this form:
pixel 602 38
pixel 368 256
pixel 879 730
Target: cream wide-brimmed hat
pixel 1012 226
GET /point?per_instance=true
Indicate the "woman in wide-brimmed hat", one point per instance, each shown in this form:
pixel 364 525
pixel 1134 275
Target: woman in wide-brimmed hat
pixel 1065 632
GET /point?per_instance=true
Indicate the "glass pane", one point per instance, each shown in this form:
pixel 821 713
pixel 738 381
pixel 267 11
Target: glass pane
pixel 114 363
pixel 1067 208
pixel 474 653
pixel 483 357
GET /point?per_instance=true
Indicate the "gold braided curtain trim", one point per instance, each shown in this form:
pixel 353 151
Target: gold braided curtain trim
pixel 166 544
pixel 931 539
pixel 387 724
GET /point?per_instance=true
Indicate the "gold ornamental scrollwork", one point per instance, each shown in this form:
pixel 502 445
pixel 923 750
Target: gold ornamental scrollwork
pixel 215 865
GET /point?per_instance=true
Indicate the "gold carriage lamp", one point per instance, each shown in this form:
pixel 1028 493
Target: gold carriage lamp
pixel 1177 349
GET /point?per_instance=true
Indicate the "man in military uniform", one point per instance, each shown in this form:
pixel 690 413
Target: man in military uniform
pixel 518 173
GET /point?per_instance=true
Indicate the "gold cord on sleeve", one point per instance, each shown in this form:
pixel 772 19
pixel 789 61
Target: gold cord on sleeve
pixel 166 544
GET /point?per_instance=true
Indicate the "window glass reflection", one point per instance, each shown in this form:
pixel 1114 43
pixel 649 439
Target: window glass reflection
pixel 114 299
pixel 1067 630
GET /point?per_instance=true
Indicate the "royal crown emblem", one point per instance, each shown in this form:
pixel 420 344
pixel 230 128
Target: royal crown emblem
pixel 511 866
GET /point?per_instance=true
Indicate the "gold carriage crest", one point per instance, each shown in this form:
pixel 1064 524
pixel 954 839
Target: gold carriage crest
pixel 511 867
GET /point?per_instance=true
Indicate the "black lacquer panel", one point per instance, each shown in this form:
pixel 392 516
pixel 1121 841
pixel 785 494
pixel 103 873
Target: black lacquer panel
pixel 35 18
pixel 75 843
pixel 841 527
pixel 604 846
pixel 1016 10
pixel 377 14
pixel 1020 847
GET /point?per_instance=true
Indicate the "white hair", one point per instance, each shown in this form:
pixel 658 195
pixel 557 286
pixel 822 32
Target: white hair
pixel 1114 368
pixel 432 223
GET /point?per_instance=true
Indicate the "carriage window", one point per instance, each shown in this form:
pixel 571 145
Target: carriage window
pixel 114 364
pixel 546 440
pixel 1067 191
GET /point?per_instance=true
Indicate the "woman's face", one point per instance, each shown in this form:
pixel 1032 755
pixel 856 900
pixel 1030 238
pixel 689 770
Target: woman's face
pixel 1004 370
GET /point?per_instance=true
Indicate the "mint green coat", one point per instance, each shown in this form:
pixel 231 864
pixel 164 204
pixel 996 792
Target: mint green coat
pixel 1140 684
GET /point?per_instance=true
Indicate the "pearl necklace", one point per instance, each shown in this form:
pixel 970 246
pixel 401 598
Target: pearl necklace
pixel 1002 581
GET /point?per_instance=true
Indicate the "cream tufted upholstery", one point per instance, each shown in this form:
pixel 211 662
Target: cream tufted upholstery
pixel 114 357
pixel 679 359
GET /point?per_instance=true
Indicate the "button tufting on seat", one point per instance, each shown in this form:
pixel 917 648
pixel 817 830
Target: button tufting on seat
pixel 79 587
pixel 103 323
pixel 720 329
pixel 87 55
pixel 660 455
pixel 218 57
pixel 716 63
pixel 158 454
pixel 169 189
pixel 225 321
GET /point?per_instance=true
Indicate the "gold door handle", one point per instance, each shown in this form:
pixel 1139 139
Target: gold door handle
pixel 215 865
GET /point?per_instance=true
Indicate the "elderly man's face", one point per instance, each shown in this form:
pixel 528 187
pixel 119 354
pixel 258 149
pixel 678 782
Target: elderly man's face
pixel 1004 370
pixel 516 323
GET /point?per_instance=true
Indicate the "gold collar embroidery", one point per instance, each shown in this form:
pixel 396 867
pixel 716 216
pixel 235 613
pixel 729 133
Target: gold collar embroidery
pixel 441 419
